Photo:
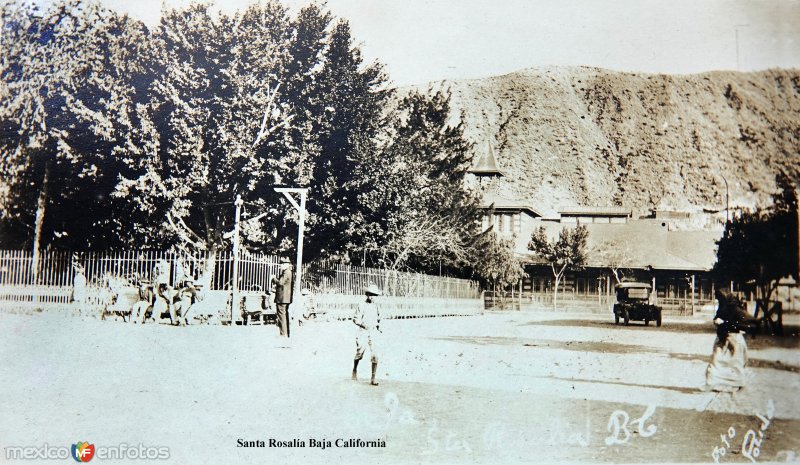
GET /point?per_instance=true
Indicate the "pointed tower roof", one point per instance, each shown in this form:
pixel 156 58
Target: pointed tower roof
pixel 487 164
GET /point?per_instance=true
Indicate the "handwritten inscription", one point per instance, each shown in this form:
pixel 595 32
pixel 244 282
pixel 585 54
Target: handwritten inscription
pixel 440 441
pixel 718 451
pixel 618 426
pixel 751 443
pixel 498 436
pixel 396 414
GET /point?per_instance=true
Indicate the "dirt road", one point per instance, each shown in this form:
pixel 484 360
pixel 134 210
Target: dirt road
pixel 499 388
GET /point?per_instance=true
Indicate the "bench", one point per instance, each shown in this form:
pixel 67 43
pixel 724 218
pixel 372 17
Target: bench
pixel 257 309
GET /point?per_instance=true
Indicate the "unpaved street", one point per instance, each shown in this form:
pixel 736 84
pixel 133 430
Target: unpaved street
pixel 497 388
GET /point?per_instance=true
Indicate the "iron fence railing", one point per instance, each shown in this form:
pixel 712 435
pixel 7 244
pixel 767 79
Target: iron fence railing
pixel 54 275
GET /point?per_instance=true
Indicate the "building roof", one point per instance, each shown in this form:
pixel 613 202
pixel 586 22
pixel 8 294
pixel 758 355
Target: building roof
pixel 487 165
pixel 639 245
pixel 595 211
pixel 500 203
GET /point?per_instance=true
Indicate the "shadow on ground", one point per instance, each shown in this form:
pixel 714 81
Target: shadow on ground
pixel 607 348
pixel 791 339
pixel 682 389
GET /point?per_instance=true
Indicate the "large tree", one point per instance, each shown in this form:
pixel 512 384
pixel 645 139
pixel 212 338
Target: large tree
pixel 761 247
pixel 566 252
pixel 495 260
pixel 351 100
pixel 172 124
pixel 247 103
pixel 60 153
pixel 417 212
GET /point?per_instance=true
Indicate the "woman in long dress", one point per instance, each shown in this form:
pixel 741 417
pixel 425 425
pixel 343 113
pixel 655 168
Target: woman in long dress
pixel 726 372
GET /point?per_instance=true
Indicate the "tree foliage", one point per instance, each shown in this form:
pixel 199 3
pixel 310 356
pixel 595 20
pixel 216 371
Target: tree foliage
pixel 761 246
pixel 148 136
pixel 59 69
pixel 566 252
pixel 417 212
pixel 615 255
pixel 495 260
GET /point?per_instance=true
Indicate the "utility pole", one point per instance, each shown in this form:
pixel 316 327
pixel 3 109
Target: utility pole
pixel 41 204
pixel 235 287
pixel 736 29
pixel 797 196
pixel 727 203
pixel 301 226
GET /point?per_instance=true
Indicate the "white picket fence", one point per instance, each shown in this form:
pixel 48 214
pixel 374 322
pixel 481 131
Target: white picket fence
pixel 351 280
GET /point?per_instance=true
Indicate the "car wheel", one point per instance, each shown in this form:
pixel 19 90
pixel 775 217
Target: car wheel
pixel 626 317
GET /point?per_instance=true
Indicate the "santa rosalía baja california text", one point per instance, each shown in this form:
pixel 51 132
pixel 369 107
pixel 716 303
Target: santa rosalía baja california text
pixel 311 442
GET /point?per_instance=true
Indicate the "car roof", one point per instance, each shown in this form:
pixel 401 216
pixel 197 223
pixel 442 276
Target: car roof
pixel 633 286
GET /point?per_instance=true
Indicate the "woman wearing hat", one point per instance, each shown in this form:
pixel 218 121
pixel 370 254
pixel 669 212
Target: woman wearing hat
pixel 368 320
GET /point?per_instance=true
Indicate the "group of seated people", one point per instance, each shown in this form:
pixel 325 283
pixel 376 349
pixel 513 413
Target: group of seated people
pixel 157 297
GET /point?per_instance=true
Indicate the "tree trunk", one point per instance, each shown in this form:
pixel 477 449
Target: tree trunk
pixel 616 274
pixel 41 204
pixel 208 269
pixel 774 327
pixel 555 293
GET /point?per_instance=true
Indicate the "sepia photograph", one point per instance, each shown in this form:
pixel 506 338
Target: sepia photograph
pixel 399 232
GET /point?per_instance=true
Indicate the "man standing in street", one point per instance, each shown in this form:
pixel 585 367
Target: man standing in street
pixel 283 295
pixel 368 320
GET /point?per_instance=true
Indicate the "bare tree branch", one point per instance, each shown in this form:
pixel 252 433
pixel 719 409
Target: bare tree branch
pixel 265 131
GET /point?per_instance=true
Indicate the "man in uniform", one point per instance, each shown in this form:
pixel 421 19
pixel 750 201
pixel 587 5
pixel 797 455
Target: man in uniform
pixel 283 295
pixel 368 320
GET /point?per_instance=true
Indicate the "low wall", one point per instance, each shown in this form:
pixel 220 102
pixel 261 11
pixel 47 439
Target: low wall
pixel 342 307
pixel 214 304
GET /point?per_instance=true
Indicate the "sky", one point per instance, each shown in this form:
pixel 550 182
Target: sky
pixel 428 40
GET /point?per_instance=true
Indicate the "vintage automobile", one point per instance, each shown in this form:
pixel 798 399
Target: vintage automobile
pixel 633 303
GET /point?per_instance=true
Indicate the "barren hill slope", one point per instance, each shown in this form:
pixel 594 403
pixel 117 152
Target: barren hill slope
pixel 590 136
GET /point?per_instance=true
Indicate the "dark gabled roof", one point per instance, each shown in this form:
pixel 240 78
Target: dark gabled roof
pixel 487 165
pixel 500 203
pixel 595 211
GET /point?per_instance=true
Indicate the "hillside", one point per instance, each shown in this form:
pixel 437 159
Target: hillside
pixel 590 136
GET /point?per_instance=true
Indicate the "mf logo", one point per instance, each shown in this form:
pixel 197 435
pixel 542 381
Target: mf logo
pixel 82 451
